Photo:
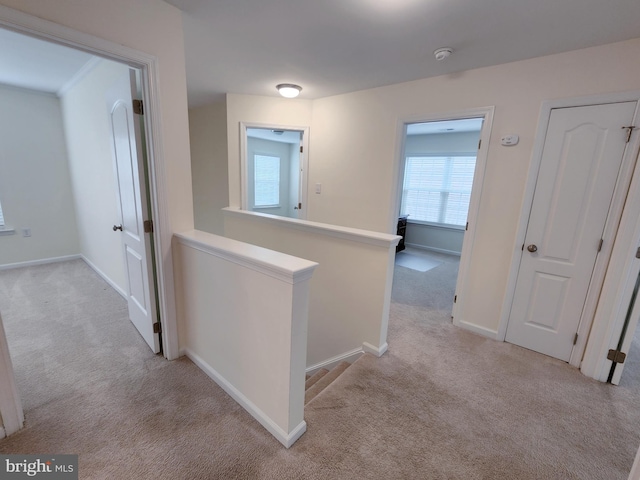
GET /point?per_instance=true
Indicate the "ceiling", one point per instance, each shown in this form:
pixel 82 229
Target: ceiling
pixel 31 63
pixel 338 46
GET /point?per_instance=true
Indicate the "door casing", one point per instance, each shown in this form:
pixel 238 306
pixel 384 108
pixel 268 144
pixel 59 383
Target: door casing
pixel 304 163
pixel 478 180
pixel 602 267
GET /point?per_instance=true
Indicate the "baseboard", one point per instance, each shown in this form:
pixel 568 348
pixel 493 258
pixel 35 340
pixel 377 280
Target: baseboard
pixel 286 439
pixel 350 357
pixel 377 351
pixel 42 261
pixel 104 277
pixel 484 331
pixel 433 249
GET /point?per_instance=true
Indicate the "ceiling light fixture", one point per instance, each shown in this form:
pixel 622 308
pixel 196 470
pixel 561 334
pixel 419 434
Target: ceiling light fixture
pixel 289 90
pixel 443 53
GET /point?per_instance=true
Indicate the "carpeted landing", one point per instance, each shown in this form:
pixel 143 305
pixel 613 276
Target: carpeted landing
pixel 443 403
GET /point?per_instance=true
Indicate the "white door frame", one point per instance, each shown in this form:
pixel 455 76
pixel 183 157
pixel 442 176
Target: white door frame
pixel 304 163
pixel 148 64
pixel 476 189
pixel 618 203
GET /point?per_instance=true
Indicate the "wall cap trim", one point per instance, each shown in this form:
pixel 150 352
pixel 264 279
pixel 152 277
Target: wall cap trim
pixel 281 266
pixel 347 233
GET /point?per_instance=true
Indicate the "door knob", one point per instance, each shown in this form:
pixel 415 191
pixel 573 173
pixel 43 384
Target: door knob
pixel 532 248
pixel 117 227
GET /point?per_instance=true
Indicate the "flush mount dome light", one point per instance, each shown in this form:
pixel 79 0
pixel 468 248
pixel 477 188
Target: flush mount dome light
pixel 289 90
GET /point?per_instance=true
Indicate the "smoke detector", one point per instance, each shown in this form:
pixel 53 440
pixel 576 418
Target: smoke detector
pixel 443 53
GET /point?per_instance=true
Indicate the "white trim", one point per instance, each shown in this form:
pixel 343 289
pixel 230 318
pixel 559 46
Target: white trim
pixel 479 329
pixel 346 233
pixel 100 273
pixel 377 351
pixel 281 266
pixel 2 433
pixel 5 231
pixel 287 439
pixel 350 357
pixel 304 163
pixel 148 64
pixel 432 249
pixel 584 335
pixel 11 411
pixel 92 63
pixel 617 289
pixel 635 469
pixel 41 261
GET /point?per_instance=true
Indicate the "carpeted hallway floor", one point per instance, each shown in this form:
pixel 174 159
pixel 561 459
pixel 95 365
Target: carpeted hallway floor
pixel 442 403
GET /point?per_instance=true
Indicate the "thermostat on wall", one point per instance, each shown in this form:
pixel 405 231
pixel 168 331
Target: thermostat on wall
pixel 509 140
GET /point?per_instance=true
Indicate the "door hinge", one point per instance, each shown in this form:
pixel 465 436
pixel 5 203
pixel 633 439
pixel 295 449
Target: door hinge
pixel 600 244
pixel 630 130
pixel 138 107
pixel 148 226
pixel 466 227
pixel 455 298
pixel 157 328
pixel 575 339
pixel 301 148
pixel 479 143
pixel 616 356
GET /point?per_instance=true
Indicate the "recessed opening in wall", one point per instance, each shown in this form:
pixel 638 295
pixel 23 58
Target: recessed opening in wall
pixel 274 170
pixel 438 167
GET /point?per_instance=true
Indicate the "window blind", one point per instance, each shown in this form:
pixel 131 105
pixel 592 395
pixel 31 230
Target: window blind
pixel 266 180
pixel 438 189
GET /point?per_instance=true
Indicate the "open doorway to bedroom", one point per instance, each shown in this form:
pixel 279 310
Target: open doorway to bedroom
pixel 438 165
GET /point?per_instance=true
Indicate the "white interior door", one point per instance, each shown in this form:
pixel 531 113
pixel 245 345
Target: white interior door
pixel 581 159
pixel 136 244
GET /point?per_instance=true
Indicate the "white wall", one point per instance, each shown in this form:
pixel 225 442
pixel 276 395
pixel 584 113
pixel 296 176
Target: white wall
pixel 436 143
pixel 88 134
pixel 35 187
pixel 354 150
pixel 269 111
pixel 209 165
pixel 246 310
pixel 350 290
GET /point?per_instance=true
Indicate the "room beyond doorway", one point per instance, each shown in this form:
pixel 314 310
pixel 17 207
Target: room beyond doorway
pixel 441 171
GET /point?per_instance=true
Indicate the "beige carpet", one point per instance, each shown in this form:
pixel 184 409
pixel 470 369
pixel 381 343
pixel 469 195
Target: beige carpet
pixel 441 404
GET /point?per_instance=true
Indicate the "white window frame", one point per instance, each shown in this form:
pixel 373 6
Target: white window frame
pixel 244 160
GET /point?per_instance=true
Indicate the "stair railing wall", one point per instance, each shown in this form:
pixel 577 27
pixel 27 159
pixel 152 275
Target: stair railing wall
pixel 243 313
pixel 351 288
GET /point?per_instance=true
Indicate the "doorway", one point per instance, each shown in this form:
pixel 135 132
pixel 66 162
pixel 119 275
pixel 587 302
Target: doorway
pixel 274 165
pixel 441 169
pixel 578 185
pixel 92 205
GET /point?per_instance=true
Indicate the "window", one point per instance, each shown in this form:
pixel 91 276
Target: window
pixel 266 181
pixel 438 189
